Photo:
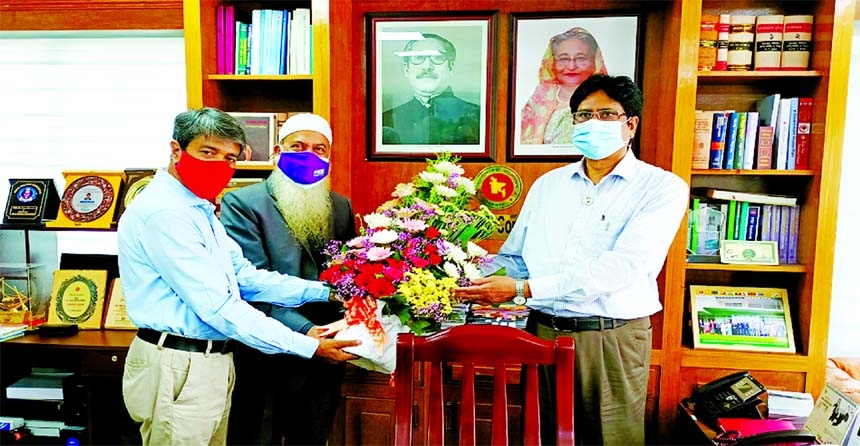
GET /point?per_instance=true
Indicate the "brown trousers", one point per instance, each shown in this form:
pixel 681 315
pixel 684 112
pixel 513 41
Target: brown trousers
pixel 612 368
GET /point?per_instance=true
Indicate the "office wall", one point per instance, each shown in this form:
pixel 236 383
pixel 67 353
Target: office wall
pixel 844 339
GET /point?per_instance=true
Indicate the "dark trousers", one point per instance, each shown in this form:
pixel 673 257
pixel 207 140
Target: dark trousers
pixel 285 399
pixel 611 373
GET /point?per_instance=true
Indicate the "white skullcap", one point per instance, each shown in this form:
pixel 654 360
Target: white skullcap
pixel 305 121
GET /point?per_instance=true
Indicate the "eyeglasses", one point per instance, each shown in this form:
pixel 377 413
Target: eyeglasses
pixel 604 115
pixel 580 61
pixel 438 59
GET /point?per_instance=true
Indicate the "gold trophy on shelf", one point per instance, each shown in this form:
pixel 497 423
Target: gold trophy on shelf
pixel 13 300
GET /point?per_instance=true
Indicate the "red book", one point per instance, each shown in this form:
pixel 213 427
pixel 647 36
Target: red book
pixel 747 427
pixel 804 133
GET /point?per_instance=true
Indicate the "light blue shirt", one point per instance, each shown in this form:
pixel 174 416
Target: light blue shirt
pixel 596 250
pixel 181 273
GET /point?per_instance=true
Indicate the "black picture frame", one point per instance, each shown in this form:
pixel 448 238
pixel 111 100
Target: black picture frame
pixel 534 79
pixel 458 119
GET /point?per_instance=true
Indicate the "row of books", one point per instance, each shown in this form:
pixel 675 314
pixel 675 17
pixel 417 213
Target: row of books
pixel 745 42
pixel 274 42
pixel 775 136
pixel 711 221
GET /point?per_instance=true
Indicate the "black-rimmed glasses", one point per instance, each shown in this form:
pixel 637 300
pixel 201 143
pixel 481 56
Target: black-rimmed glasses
pixel 435 60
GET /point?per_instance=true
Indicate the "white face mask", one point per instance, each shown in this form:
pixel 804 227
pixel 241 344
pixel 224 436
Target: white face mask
pixel 598 139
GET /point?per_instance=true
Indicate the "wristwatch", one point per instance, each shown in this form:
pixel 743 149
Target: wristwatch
pixel 520 297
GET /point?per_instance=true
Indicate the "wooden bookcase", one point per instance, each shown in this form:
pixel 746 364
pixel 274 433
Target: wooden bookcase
pixel 673 89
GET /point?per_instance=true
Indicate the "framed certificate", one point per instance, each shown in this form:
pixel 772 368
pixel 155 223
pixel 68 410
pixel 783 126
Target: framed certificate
pixel 77 297
pixel 115 314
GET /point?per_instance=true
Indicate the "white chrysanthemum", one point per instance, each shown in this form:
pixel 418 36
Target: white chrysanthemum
pixel 451 270
pixel 383 237
pixel 470 271
pixel 448 168
pixel 403 190
pixel 411 224
pixel 433 177
pixel 375 220
pixel 467 183
pixel 453 252
pixel 445 191
pixel 356 242
pixel 474 250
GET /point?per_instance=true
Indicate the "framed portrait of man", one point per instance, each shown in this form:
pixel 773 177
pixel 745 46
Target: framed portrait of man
pixel 429 79
pixel 551 57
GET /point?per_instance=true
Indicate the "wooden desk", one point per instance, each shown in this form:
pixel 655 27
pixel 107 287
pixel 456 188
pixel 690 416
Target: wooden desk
pixel 97 357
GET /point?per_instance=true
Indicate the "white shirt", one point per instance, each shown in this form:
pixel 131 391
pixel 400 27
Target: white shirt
pixel 596 250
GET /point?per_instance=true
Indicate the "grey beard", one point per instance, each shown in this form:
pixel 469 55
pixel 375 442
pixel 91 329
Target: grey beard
pixel 307 212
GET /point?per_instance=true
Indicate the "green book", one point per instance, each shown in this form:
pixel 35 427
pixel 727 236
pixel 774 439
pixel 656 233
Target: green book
pixel 730 232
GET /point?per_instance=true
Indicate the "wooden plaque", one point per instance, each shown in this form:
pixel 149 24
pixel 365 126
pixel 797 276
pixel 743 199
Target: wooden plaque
pixel 115 314
pixel 89 200
pixel 135 181
pixel 31 201
pixel 78 297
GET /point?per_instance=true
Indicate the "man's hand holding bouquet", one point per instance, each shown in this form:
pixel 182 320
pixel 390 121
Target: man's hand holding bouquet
pixel 399 274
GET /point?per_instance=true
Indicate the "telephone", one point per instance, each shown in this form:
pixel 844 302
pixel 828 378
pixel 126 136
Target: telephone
pixel 735 395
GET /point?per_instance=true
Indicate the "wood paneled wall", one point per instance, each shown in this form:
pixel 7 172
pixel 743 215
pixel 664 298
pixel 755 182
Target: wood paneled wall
pixel 68 15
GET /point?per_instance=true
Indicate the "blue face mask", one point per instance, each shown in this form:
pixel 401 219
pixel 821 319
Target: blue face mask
pixel 598 139
pixel 306 169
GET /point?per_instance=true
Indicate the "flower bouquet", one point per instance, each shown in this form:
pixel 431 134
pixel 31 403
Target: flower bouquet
pixel 399 274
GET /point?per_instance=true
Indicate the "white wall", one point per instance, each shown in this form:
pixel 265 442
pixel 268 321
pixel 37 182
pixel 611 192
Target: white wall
pixel 845 304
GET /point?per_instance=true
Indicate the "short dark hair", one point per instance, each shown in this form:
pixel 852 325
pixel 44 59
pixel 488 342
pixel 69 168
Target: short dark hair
pixel 450 51
pixel 209 122
pixel 619 88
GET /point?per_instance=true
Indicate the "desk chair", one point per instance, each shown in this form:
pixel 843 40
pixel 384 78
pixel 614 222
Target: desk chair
pixel 482 345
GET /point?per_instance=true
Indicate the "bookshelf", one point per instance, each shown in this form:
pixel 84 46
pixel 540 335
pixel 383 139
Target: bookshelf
pixel 808 281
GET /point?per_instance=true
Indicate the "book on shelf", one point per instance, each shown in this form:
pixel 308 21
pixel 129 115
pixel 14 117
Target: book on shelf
pixel 261 132
pixel 708 42
pixel 749 152
pixel 749 197
pixel 804 133
pixel 741 318
pixel 833 416
pixel 781 135
pixel 731 140
pixel 41 384
pixel 741 37
pixel 718 139
pixel 768 42
pixel 764 152
pixel 796 42
pixel 740 142
pixel 702 139
pixel 768 108
pixel 791 160
pixel 723 25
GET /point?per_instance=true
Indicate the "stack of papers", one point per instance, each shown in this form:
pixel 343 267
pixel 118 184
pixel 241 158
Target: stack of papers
pixel 11 331
pixel 789 406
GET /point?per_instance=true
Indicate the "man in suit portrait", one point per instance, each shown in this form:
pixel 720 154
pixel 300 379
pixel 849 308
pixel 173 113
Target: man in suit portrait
pixel 282 224
pixel 434 115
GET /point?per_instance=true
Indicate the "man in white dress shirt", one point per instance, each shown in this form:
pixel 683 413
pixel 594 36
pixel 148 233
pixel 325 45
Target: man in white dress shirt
pixel 584 255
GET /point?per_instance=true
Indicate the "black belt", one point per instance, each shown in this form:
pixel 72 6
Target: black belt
pixel 185 344
pixel 576 323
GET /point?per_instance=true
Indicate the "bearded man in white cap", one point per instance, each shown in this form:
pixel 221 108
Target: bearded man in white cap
pixel 282 224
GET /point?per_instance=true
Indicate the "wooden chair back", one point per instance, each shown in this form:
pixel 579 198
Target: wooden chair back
pixel 487 346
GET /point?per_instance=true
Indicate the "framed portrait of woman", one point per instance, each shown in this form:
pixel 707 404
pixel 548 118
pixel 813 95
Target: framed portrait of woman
pixel 551 57
pixel 429 79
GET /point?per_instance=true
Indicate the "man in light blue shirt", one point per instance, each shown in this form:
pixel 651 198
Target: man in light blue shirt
pixel 585 254
pixel 187 288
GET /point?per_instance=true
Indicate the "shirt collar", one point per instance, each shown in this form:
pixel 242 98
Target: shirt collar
pixel 179 194
pixel 626 168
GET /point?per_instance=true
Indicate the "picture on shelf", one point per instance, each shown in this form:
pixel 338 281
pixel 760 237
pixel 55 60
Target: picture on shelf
pixel 261 132
pixel 741 318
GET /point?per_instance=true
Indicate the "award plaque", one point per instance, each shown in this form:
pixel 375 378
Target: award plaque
pixel 78 298
pixel 31 202
pixel 89 200
pixel 115 314
pixel 135 181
